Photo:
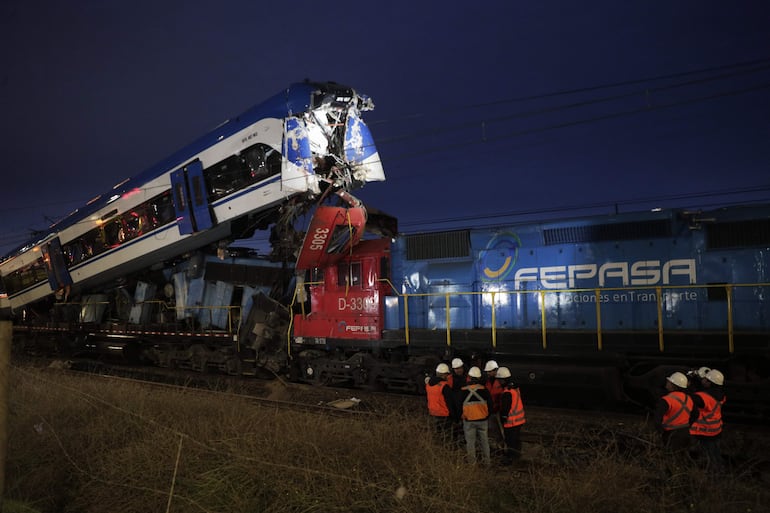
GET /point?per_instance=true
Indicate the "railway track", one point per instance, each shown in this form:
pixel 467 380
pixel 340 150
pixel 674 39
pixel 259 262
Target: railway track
pixel 546 424
pixel 552 436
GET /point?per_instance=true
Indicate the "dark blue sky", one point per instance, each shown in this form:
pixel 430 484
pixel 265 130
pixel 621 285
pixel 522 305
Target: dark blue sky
pixel 465 119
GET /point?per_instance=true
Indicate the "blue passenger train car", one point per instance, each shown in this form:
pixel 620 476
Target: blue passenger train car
pixel 260 169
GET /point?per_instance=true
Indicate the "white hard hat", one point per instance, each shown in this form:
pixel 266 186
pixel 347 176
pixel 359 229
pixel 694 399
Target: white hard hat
pixel 490 366
pixel 702 372
pixel 442 368
pixel 474 372
pixel 678 379
pixel 715 377
pixel 457 363
pixel 503 373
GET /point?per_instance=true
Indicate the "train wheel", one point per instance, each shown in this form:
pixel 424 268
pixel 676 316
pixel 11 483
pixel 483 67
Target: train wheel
pixel 233 366
pixel 198 358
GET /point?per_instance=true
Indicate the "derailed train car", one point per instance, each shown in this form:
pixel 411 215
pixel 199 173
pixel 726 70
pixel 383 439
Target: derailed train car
pixel 130 274
pixel 260 169
pixel 582 310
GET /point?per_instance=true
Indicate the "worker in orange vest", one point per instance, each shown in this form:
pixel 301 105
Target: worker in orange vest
pixel 476 404
pixel 673 412
pixel 695 377
pixel 492 384
pixel 496 436
pixel 457 380
pixel 706 428
pixel 441 402
pixel 511 415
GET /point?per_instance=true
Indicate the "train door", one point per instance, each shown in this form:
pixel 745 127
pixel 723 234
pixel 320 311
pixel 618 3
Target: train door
pixel 58 274
pixel 191 201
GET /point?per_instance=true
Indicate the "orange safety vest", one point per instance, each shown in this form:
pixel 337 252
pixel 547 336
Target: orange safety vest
pixel 709 421
pixel 516 413
pixel 474 406
pixel 680 407
pixel 437 406
pixel 495 390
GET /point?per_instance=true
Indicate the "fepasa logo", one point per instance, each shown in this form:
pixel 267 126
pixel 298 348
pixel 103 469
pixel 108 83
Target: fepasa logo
pixel 609 274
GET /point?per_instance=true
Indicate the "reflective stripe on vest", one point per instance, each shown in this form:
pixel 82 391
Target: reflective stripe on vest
pixel 474 406
pixel 679 409
pixel 709 421
pixel 437 406
pixel 516 413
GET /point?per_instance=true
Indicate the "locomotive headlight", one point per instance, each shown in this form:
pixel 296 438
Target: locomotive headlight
pixel 309 371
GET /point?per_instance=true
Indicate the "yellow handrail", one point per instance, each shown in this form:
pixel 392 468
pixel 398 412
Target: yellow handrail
pixel 596 293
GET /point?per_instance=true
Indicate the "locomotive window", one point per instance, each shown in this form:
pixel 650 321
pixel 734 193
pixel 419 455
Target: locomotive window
pixel 349 275
pixel 384 268
pixel 340 238
pixel 317 275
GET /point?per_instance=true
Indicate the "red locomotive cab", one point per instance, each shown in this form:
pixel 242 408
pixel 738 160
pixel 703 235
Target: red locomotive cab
pixel 332 233
pixel 346 301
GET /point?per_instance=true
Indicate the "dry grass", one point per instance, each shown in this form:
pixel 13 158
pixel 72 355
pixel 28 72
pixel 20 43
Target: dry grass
pixel 80 445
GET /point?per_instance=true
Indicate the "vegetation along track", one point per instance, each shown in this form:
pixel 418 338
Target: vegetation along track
pixel 573 432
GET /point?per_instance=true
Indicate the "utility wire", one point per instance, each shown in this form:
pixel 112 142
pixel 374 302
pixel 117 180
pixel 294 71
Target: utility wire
pixel 760 65
pixel 590 206
pixel 643 93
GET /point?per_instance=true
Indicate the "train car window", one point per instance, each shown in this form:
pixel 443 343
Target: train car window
pixel 27 276
pixel 224 177
pixel 197 190
pixel 151 214
pixel 179 197
pixel 114 233
pixel 74 252
pixel 163 208
pixel 349 275
pixel 92 243
pixel 237 172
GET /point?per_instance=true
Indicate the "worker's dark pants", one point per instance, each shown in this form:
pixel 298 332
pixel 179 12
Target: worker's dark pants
pixel 676 441
pixel 513 444
pixel 709 445
pixel 443 427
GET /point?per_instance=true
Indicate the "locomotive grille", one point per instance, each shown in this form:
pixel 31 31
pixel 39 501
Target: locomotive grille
pixel 738 234
pixel 607 232
pixel 454 244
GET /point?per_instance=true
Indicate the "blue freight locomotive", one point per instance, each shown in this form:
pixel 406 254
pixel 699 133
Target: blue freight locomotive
pixel 600 307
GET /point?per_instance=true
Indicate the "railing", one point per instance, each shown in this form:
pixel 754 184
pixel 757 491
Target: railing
pixel 542 295
pixel 232 323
